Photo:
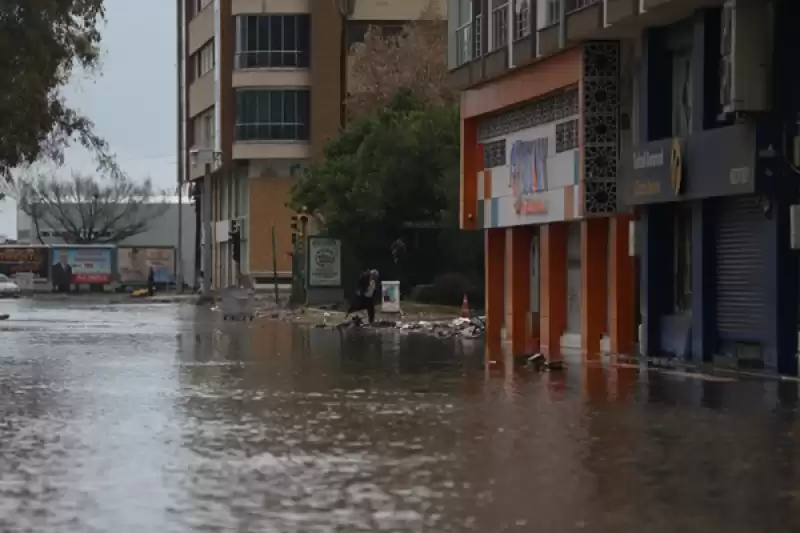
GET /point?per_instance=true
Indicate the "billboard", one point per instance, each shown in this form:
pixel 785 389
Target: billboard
pixel 90 265
pixel 24 259
pixel 324 262
pixel 133 264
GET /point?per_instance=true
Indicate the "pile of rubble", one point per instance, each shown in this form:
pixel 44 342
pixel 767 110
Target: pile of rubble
pixel 465 328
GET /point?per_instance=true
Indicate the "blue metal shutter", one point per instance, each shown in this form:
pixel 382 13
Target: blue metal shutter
pixel 740 268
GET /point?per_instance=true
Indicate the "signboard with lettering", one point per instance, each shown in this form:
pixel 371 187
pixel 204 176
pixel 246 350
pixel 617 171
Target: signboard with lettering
pixel 324 262
pixel 89 265
pixel 16 260
pixel 718 162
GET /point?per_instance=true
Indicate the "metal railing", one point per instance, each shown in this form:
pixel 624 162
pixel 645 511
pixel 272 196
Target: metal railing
pixel 522 27
pixel 577 5
pixel 552 7
pixel 468 41
pixel 499 27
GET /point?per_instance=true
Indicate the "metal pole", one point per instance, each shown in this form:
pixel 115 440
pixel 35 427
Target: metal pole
pixel 275 265
pixel 179 63
pixel 207 231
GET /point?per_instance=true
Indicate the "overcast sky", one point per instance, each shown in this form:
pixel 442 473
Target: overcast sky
pixel 132 100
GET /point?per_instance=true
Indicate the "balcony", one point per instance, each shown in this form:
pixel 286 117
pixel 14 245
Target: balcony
pixel 583 19
pixel 468 41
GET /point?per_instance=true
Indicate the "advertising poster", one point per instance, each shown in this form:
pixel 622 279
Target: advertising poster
pixel 15 260
pixel 390 301
pixel 87 266
pixel 134 265
pixel 324 262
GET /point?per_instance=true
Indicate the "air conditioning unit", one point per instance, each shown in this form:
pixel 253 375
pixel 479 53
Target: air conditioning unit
pixel 745 69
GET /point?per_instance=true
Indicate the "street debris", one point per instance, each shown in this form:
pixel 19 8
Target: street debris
pixel 465 328
pixel 539 363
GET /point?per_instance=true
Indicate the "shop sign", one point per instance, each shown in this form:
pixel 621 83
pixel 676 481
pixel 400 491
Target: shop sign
pixel 15 260
pixel 711 163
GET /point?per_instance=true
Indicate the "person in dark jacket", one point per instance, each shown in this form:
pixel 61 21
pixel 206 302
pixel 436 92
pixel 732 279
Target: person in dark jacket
pixel 366 291
pixel 151 282
pixel 62 274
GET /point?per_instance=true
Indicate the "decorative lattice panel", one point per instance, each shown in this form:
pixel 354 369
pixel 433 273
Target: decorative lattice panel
pixel 494 154
pixel 550 108
pixel 601 129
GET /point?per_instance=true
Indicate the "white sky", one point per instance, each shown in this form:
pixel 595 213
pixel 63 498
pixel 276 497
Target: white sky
pixel 132 100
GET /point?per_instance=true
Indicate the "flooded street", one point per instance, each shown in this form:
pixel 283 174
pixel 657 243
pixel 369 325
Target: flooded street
pixel 143 418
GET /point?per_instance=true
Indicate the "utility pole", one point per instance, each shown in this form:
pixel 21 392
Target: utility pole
pixel 207 230
pixel 181 162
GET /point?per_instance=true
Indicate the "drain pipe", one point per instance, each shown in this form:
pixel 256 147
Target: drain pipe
pixel 562 24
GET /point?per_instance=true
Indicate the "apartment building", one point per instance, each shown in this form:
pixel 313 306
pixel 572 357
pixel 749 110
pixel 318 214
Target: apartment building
pixel 632 164
pixel 263 86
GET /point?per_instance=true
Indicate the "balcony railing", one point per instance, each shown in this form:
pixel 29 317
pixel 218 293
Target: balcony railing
pixel 498 29
pixel 577 5
pixel 522 10
pixel 552 7
pixel 468 41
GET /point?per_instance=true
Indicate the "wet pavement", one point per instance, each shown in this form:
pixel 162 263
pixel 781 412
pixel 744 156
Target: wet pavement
pixel 160 419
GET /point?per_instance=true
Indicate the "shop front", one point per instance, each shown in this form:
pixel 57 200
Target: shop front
pixel 706 237
pixel 540 182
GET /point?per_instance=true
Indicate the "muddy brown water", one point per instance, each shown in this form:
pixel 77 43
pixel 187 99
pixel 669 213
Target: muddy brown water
pixel 160 419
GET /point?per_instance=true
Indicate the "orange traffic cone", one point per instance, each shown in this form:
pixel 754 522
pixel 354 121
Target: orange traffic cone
pixel 465 307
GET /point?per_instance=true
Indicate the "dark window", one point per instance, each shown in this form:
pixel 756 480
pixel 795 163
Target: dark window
pixel 273 41
pixel 272 115
pixel 356 31
pixel 682 259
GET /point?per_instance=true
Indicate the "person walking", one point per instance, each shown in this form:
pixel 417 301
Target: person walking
pixel 366 292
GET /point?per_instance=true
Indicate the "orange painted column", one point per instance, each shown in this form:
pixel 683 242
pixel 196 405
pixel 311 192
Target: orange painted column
pixel 594 301
pixel 471 164
pixel 494 261
pixel 520 271
pixel 553 288
pixel 622 288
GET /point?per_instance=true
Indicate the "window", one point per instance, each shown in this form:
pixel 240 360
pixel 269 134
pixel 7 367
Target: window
pixel 205 134
pixel 272 115
pixel 552 8
pixel 201 5
pixel 682 92
pixel 204 59
pixel 521 13
pixel 273 41
pixel 682 259
pixel 498 24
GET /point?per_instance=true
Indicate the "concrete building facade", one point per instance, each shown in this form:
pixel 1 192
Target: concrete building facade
pixel 542 124
pixel 264 85
pixel 681 218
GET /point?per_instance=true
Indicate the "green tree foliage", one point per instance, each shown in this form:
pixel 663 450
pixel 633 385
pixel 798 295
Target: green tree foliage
pixel 42 42
pixel 386 170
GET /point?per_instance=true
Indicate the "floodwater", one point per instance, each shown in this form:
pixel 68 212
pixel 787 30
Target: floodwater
pixel 158 419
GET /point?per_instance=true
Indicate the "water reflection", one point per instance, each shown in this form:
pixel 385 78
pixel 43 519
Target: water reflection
pixel 148 418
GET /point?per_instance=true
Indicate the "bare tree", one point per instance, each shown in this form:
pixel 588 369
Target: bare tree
pixel 88 210
pixel 415 59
